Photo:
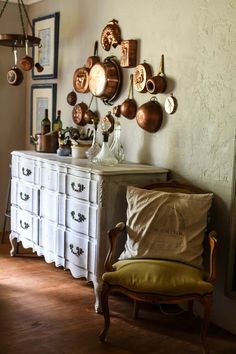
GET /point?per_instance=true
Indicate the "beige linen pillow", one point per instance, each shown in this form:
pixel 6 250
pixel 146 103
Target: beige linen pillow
pixel 166 225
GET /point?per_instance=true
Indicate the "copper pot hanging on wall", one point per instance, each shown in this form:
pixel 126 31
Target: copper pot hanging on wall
pixel 149 115
pixel 157 84
pixel 105 80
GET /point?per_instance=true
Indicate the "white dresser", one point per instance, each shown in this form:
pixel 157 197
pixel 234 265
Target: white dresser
pixel 62 208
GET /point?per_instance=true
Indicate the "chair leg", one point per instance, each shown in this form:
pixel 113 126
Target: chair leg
pixel 207 305
pixel 105 311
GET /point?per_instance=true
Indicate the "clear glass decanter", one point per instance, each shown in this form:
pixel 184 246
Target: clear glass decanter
pixel 105 157
pixel 95 147
pixel 116 146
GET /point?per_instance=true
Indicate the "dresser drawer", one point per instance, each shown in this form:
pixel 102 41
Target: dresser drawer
pixel 27 170
pixel 51 238
pixel 81 188
pixel 25 196
pixel 77 187
pixel 81 217
pixel 25 224
pixel 76 250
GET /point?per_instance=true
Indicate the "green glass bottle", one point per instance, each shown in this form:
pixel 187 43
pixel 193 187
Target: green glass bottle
pixel 57 124
pixel 45 124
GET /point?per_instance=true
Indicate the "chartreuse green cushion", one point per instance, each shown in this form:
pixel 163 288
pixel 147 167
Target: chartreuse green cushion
pixel 159 277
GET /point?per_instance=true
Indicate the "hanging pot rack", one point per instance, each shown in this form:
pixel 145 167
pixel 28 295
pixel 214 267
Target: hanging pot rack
pixel 18 40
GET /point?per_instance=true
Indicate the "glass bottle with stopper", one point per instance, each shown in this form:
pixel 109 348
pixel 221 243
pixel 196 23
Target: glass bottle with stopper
pixel 45 123
pixel 116 146
pixel 95 147
pixel 106 157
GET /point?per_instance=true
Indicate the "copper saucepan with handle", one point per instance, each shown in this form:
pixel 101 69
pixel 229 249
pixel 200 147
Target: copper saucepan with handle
pixel 129 107
pixel 93 59
pixel 157 84
pixel 15 75
pixel 27 62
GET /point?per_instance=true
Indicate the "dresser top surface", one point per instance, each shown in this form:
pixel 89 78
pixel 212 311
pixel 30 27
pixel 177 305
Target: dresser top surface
pixel 85 165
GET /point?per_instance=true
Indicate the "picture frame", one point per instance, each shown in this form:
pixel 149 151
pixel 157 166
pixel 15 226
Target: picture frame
pixel 43 96
pixel 46 54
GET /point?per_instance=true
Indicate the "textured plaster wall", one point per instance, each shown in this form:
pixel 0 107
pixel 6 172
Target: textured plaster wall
pixel 12 106
pixel 198 39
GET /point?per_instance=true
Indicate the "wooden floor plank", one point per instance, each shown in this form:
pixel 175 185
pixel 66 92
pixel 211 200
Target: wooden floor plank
pixel 44 310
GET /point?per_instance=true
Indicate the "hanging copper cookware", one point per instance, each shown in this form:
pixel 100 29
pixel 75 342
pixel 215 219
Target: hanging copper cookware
pixel 157 84
pixel 142 73
pixel 71 98
pixel 81 75
pixel 80 80
pixel 27 62
pixel 15 75
pixel 129 107
pixel 93 59
pixel 78 113
pixel 105 80
pixel 111 35
pixel 89 116
pixel 149 116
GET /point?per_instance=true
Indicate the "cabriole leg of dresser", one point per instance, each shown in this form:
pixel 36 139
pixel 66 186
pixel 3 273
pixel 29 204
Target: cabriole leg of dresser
pixel 97 291
pixel 13 241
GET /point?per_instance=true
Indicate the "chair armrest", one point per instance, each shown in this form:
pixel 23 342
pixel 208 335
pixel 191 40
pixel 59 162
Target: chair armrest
pixel 212 266
pixel 112 234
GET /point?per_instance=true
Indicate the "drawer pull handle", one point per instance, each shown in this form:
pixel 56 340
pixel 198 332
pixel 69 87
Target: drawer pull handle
pixel 26 172
pixel 78 251
pixel 24 226
pixel 25 196
pixel 81 217
pixel 80 189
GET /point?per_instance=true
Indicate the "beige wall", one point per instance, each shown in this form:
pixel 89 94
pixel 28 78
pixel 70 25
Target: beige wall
pixel 12 105
pixel 197 38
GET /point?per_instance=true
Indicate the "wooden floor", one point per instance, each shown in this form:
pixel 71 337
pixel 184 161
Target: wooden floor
pixel 44 310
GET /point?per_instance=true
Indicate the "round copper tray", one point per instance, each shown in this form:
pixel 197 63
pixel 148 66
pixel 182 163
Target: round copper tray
pixel 18 40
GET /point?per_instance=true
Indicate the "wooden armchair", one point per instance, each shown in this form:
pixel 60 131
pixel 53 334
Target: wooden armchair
pixel 159 280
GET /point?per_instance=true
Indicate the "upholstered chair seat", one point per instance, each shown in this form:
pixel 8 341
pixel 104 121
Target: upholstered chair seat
pixel 158 277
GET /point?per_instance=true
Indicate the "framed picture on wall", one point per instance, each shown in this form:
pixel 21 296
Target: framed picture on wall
pixel 43 96
pixel 46 54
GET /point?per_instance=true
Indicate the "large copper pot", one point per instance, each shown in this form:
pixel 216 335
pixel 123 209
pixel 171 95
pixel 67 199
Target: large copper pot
pixel 45 142
pixel 105 80
pixel 149 116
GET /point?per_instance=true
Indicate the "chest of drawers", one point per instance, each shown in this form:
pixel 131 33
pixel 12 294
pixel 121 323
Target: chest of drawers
pixel 62 208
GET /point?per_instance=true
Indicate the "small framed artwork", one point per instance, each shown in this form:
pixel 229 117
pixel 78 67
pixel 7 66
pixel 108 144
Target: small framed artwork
pixel 46 54
pixel 43 96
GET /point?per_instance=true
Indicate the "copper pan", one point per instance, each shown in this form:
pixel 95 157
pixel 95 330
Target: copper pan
pixel 105 80
pixel 149 116
pixel 78 113
pixel 157 84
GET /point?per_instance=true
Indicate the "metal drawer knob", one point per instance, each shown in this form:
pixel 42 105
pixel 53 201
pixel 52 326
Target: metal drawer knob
pixel 78 251
pixel 24 196
pixel 26 172
pixel 80 188
pixel 24 225
pixel 81 217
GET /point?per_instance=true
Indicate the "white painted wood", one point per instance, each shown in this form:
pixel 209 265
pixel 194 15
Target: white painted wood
pixel 71 206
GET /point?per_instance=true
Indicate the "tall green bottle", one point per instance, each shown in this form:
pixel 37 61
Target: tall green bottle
pixel 45 124
pixel 57 124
